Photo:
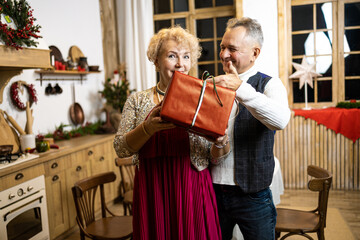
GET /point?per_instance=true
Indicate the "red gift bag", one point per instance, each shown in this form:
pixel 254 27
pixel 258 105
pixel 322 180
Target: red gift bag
pixel 197 105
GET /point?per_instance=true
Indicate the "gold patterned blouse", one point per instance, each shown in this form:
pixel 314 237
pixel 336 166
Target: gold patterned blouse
pixel 136 108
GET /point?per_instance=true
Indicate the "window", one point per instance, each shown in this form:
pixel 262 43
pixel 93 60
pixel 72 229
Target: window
pixel 327 33
pixel 206 19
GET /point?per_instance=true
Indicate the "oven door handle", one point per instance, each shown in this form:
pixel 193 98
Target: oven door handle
pixel 14 210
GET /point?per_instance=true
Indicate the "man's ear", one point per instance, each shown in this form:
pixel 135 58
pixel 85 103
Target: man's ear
pixel 256 52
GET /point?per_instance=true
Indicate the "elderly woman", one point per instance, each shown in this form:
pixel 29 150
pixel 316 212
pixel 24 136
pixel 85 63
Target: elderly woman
pixel 173 192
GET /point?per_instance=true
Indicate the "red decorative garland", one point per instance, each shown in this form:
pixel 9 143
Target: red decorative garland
pixel 14 92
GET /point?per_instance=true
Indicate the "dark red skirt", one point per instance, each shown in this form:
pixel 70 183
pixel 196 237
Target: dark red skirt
pixel 172 200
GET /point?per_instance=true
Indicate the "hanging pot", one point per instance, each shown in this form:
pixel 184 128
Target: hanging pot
pixel 76 111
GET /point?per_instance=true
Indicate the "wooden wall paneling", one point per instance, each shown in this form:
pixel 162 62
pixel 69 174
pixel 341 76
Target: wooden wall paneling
pixel 303 142
pixel 109 36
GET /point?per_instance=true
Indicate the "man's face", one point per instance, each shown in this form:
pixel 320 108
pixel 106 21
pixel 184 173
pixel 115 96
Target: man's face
pixel 238 49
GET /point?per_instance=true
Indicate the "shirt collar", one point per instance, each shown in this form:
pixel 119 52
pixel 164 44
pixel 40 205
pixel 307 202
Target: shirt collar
pixel 246 75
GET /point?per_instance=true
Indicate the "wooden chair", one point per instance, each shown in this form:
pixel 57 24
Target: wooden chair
pixel 127 173
pixel 298 222
pixel 105 227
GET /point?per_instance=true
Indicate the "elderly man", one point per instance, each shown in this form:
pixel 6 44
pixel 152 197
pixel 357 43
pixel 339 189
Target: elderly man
pixel 242 179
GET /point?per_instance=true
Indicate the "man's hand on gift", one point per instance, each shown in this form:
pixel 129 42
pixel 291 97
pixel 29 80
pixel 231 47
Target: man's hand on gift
pixel 230 80
pixel 154 123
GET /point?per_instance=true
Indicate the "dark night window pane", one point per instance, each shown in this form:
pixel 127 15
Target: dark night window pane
pixel 322 10
pixel 203 3
pixel 220 69
pixel 353 39
pixel 352 63
pixel 295 61
pixel 161 6
pixel 223 2
pixel 207 67
pixel 162 24
pixel 325 91
pixel 299 94
pixel 352 89
pixel 204 28
pixel 302 17
pixel 180 6
pixel 181 22
pixel 207 51
pixel 298 44
pixel 352 14
pixel 221 25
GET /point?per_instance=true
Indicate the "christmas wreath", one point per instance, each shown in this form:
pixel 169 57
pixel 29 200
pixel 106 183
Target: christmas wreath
pixel 14 92
pixel 17 24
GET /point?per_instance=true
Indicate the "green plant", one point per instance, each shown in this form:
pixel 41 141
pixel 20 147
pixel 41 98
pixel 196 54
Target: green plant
pixel 116 93
pixel 61 134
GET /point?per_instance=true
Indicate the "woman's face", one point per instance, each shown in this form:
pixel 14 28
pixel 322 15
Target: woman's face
pixel 172 57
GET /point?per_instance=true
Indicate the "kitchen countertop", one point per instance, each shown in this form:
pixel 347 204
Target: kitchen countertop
pixel 65 147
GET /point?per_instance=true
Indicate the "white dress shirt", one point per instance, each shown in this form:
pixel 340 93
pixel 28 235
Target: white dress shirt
pixel 271 108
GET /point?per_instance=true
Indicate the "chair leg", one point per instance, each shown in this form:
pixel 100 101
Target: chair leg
pixel 320 234
pixel 277 235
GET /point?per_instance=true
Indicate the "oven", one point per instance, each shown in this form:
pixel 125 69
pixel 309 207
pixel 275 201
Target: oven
pixel 23 211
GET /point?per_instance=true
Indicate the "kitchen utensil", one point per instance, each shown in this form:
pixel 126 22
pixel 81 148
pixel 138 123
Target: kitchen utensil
pixel 30 119
pixel 76 111
pixel 75 53
pixel 15 124
pixel 56 53
pixel 93 68
pixel 6 149
pixel 8 135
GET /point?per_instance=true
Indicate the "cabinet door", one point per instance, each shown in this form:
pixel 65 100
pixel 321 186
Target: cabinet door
pixel 99 163
pixel 56 196
pixel 78 169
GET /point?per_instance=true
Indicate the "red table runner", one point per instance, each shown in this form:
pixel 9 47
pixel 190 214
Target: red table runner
pixel 341 120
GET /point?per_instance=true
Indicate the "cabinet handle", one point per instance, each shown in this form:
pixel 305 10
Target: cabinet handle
pixel 78 169
pixel 101 159
pixel 55 178
pixel 90 153
pixel 19 176
pixel 54 165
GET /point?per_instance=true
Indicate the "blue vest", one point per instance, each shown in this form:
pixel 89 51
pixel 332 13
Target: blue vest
pixel 253 146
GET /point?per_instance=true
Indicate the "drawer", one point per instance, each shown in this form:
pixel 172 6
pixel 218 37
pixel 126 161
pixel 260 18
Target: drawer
pixel 21 176
pixel 55 166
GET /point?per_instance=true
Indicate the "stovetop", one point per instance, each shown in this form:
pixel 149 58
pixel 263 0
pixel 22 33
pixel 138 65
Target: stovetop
pixel 13 159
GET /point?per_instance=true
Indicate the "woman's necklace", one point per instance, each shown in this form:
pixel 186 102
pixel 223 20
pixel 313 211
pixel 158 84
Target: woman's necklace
pixel 158 90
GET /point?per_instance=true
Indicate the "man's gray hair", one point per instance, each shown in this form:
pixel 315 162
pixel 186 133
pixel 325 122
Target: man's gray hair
pixel 252 26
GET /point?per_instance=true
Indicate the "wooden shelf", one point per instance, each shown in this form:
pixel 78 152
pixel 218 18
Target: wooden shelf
pixel 63 73
pixel 13 61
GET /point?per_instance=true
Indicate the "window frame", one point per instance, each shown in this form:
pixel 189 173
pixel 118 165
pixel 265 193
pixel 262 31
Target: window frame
pixel 202 13
pixel 285 50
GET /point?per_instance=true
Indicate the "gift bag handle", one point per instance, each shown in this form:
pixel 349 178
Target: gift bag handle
pixel 205 76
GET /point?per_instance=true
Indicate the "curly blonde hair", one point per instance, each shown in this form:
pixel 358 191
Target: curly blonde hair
pixel 179 35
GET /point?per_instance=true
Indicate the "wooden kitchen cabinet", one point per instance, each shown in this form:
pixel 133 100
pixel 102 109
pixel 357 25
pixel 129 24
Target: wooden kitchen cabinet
pixel 21 176
pixel 55 181
pixel 78 168
pixel 76 159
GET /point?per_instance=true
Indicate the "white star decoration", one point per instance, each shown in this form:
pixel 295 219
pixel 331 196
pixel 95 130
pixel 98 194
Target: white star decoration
pixel 304 72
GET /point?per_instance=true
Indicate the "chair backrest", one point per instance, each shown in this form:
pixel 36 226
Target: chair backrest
pixel 85 193
pixel 321 182
pixel 127 174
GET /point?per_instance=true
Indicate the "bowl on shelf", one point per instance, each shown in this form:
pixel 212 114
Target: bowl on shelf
pixel 93 68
